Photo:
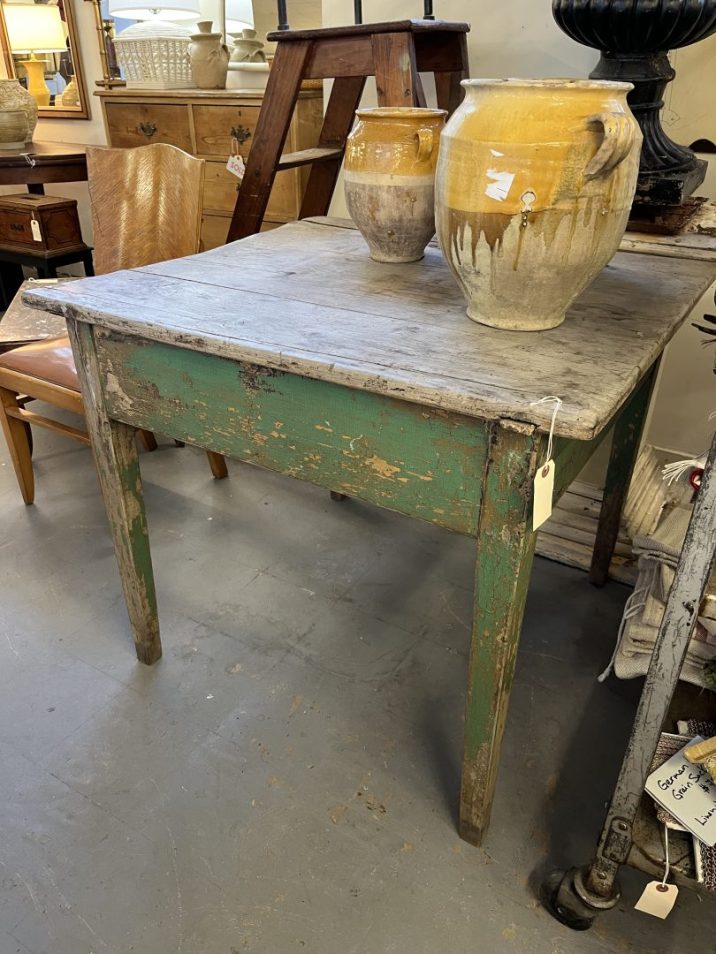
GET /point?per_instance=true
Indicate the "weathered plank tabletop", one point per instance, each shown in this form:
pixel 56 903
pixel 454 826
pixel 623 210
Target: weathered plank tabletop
pixel 293 350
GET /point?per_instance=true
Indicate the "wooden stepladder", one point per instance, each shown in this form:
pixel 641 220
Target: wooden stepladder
pixel 395 53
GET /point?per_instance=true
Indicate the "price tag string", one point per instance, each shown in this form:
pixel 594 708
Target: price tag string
pixel 552 399
pixel 543 485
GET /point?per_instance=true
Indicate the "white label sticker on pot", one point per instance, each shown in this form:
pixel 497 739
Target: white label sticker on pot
pixel 501 184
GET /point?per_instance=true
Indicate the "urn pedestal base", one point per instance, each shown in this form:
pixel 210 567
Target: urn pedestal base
pixel 668 172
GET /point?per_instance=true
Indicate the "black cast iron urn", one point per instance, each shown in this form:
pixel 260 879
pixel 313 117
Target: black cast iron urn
pixel 634 37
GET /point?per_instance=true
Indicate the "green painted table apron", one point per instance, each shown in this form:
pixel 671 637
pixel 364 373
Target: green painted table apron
pixel 294 351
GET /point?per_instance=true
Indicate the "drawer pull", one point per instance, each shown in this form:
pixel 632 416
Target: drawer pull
pixel 240 134
pixel 147 129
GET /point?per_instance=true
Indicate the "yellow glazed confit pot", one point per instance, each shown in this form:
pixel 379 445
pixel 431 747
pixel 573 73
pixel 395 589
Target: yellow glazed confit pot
pixel 389 177
pixel 534 184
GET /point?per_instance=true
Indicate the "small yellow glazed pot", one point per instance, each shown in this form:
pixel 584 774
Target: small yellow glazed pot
pixel 534 185
pixel 389 176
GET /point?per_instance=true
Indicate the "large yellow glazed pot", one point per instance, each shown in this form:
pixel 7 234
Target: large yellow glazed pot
pixel 534 185
pixel 389 176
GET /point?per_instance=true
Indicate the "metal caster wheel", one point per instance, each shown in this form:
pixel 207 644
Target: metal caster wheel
pixel 564 895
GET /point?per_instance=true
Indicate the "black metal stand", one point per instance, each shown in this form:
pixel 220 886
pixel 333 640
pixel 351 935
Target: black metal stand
pixel 668 172
pixel 634 39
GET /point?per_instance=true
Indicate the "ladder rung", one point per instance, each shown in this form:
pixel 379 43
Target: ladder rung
pixel 290 160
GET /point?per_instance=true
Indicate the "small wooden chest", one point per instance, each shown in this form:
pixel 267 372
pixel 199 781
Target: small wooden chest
pixel 57 224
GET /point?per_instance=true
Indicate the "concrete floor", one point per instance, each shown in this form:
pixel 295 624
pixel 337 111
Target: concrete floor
pixel 285 779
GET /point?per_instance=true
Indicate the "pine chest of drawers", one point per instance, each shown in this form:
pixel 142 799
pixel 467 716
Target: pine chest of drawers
pixel 208 124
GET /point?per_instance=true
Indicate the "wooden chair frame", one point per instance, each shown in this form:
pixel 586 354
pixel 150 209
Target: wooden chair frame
pixel 18 388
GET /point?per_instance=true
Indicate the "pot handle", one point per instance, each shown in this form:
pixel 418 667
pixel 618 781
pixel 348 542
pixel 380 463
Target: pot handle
pixel 426 142
pixel 619 138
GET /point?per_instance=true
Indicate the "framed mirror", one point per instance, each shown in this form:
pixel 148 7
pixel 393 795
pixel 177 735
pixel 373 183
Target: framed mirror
pixel 235 14
pixel 40 47
pixel 108 26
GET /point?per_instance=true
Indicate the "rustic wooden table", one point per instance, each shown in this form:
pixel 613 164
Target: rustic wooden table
pixel 294 351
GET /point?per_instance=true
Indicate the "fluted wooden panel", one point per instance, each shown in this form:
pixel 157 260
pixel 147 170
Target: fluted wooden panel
pixel 146 204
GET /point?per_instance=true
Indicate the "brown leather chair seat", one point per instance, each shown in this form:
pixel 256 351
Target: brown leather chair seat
pixel 50 360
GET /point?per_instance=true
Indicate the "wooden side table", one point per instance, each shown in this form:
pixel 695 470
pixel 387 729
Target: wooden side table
pixel 39 163
pixel 36 165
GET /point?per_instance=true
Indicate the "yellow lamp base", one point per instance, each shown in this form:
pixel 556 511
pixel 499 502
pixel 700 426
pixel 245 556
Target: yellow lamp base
pixel 36 85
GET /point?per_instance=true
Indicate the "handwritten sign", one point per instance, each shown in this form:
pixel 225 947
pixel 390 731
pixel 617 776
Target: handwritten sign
pixel 687 792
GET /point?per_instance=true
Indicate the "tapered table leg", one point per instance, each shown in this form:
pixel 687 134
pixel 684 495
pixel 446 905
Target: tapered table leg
pixel 505 547
pixel 628 429
pixel 117 463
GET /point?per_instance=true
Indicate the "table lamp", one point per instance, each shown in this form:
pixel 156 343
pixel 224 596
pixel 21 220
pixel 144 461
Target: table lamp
pixel 35 28
pixel 239 15
pixel 144 10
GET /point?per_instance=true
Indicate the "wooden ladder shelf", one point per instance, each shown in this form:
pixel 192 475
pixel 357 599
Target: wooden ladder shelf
pixel 395 53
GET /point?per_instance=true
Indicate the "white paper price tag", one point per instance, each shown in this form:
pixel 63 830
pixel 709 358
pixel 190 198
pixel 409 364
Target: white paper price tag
pixel 236 166
pixel 658 899
pixel 542 494
pixel 35 228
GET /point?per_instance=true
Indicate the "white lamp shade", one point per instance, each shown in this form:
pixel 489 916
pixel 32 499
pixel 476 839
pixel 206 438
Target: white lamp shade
pixel 34 28
pixel 239 15
pixel 170 9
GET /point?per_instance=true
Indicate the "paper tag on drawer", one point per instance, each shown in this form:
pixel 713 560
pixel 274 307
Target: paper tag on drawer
pixel 543 492
pixel 35 229
pixel 236 166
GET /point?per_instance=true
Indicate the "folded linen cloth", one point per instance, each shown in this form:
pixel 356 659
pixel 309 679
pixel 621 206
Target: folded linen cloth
pixel 658 555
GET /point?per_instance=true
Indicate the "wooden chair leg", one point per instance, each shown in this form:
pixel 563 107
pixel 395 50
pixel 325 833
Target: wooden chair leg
pixel 15 432
pixel 218 465
pixel 147 440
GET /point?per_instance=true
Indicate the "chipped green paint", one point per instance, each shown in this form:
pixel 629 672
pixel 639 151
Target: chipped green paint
pixel 115 451
pixel 469 475
pixel 418 461
pixel 504 559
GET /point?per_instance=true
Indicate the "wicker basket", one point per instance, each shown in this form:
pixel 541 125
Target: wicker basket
pixel 155 55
